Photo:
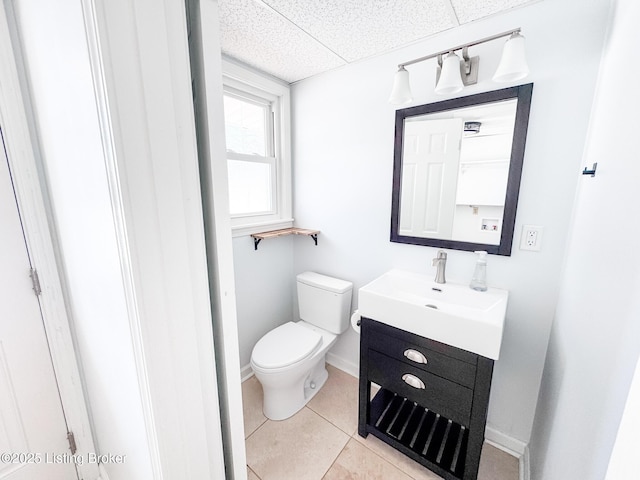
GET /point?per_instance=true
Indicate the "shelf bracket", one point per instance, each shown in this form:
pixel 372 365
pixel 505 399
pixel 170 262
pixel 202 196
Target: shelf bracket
pixel 315 238
pixel 256 241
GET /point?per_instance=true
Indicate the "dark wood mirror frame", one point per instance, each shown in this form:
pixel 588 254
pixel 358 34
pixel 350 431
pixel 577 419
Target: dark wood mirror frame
pixel 523 94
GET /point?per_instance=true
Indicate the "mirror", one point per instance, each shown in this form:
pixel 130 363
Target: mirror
pixel 457 168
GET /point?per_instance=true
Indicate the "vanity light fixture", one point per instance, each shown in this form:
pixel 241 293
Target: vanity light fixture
pixel 454 73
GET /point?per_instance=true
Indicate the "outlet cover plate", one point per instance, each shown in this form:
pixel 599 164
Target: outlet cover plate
pixel 531 238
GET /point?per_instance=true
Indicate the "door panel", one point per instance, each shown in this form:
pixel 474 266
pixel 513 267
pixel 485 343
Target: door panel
pixel 32 424
pixel 430 162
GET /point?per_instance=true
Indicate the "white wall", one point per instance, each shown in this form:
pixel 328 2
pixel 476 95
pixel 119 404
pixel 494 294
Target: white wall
pixel 343 158
pixel 56 60
pixel 264 288
pixel 594 343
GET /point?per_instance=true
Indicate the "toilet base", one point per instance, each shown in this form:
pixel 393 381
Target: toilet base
pixel 283 401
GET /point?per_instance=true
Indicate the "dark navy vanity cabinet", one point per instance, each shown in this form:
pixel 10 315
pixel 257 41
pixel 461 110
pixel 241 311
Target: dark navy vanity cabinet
pixel 432 402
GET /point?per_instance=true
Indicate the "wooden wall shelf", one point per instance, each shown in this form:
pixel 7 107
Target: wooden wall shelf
pixel 258 237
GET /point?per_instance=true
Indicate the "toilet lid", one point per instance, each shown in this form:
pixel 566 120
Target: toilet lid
pixel 285 345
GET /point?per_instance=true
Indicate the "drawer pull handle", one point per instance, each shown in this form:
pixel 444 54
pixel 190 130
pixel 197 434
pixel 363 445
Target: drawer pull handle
pixel 415 356
pixel 413 381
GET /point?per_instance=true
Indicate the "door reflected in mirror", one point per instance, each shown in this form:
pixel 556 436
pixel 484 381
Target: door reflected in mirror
pixel 457 171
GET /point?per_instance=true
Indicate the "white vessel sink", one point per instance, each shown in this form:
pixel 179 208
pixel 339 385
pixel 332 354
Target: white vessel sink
pixel 449 313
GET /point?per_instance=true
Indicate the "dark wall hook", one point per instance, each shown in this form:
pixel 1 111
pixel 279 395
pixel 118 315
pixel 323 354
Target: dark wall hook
pixel 591 172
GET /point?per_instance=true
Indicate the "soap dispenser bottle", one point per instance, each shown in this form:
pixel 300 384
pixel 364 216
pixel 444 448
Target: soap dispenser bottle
pixel 479 280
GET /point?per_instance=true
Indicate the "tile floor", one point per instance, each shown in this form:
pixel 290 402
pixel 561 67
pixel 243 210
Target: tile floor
pixel 321 442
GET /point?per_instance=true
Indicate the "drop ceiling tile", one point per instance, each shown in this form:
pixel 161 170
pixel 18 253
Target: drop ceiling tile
pixel 253 33
pixel 470 10
pixel 356 29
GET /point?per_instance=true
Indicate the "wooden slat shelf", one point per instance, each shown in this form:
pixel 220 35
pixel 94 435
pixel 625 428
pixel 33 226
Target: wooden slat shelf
pixel 418 431
pixel 258 237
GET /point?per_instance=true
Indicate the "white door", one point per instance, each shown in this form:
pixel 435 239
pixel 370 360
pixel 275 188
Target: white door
pixel 33 433
pixel 430 163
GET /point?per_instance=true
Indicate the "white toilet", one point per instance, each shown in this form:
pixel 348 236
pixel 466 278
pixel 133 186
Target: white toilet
pixel 289 361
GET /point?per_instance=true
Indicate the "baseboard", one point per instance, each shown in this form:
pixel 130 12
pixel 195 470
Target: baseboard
pixel 246 373
pixel 512 446
pixel 352 369
pixel 504 442
pixel 525 465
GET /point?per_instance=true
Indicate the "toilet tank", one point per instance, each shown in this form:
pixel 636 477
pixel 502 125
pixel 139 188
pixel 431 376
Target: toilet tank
pixel 324 301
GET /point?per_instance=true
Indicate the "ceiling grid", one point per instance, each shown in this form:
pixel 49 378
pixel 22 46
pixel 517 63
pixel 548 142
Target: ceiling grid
pixel 296 39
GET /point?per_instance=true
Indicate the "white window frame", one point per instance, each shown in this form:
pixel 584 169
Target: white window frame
pixel 269 157
pixel 241 79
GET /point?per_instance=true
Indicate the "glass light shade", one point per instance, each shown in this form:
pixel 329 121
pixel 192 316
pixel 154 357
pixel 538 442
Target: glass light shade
pixel 513 64
pixel 401 91
pixel 450 78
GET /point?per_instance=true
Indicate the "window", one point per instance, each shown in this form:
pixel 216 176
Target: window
pixel 256 111
pixel 250 154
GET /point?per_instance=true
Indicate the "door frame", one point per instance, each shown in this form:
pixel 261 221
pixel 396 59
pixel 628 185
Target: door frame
pixel 40 246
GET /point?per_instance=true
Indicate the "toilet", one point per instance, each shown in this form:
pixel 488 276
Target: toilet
pixel 289 361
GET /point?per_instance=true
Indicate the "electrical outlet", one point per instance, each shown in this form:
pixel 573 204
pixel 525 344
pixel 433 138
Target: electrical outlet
pixel 531 238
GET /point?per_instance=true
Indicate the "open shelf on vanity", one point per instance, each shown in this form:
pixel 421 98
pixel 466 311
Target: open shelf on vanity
pixel 419 432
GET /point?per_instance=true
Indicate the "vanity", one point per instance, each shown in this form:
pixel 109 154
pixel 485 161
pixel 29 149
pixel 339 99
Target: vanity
pixel 429 349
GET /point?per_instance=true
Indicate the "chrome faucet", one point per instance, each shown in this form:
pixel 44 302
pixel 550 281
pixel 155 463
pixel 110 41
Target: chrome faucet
pixel 441 262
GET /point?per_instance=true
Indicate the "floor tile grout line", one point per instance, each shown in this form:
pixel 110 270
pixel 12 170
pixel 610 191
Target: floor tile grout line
pixel 335 459
pixel 310 404
pixel 255 430
pixel 329 420
pixel 254 472
pixel 326 420
pixel 380 456
pixel 306 407
pixel 339 429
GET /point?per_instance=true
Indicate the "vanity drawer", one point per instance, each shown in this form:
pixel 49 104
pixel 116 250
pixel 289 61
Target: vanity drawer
pixel 447 398
pixel 381 328
pixel 419 356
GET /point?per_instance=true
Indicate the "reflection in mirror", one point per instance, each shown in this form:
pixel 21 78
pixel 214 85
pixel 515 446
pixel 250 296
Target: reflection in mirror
pixel 457 171
pixel 462 156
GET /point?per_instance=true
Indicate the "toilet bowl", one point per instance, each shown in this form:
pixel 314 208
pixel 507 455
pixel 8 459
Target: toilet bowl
pixel 289 361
